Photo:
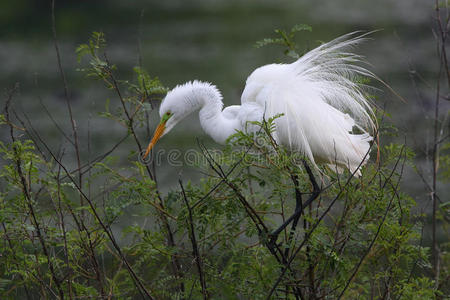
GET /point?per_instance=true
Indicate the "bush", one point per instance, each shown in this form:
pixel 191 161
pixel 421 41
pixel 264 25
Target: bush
pixel 351 238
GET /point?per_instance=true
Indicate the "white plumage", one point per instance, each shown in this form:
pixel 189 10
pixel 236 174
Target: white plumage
pixel 319 96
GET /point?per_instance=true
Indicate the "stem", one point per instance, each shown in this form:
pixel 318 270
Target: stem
pixel 67 97
pixel 435 163
pixel 28 200
pixel 195 251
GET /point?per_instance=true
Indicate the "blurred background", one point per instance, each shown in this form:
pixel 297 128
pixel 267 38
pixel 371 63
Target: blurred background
pixel 210 40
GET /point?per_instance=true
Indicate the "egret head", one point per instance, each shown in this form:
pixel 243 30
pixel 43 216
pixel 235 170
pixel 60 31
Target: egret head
pixel 180 102
pixel 171 112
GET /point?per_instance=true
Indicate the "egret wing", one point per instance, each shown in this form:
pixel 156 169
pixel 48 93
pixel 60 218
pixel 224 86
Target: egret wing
pixel 321 103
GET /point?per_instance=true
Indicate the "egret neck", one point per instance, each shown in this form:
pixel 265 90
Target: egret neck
pixel 190 97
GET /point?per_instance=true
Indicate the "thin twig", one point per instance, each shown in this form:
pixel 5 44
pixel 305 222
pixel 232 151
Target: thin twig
pixel 68 100
pixel 195 251
pixel 141 288
pixel 356 269
pixel 28 199
pixel 314 226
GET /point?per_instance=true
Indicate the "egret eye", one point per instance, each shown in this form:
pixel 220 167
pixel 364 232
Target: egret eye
pixel 166 116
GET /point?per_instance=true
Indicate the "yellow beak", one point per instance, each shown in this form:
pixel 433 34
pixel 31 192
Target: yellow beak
pixel 156 136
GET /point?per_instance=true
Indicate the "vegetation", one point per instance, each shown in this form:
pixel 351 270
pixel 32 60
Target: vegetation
pixel 351 237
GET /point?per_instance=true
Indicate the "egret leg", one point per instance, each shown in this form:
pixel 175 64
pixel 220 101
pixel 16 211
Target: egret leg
pixel 299 205
pixel 298 212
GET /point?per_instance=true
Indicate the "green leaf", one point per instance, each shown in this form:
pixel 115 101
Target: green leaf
pixel 301 27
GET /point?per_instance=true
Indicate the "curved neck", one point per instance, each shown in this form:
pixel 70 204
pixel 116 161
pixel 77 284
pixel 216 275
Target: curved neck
pixel 207 98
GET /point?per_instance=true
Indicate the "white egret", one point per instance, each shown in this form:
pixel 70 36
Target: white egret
pixel 326 114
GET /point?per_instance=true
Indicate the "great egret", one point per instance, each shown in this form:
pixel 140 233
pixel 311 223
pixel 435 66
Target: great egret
pixel 326 115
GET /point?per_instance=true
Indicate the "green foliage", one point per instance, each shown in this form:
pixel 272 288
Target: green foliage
pixel 62 237
pixel 286 39
pixel 444 161
pixel 94 49
pixel 146 84
pixel 95 45
pixel 141 92
pixel 370 228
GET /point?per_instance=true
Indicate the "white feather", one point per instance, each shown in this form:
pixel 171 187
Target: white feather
pixel 320 101
pixel 319 98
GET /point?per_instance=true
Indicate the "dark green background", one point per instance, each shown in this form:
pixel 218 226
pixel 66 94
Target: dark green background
pixel 212 41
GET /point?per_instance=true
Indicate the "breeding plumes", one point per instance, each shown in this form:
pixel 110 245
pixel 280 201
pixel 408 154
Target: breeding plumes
pixel 326 114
